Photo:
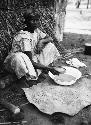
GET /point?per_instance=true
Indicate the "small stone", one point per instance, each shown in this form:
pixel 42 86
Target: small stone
pixel 2 84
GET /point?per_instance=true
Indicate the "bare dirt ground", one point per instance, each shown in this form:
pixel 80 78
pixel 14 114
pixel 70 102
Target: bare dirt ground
pixel 35 117
pixel 78 20
pixel 32 115
pixel 77 32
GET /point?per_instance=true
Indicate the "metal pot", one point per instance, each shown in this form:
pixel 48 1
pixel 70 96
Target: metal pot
pixel 87 49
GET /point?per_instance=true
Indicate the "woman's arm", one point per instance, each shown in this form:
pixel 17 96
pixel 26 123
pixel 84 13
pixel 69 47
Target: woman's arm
pixel 42 43
pixel 45 40
pixel 46 68
pixel 36 65
pixel 40 66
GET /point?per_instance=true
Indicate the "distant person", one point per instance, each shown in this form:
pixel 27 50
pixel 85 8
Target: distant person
pixel 78 2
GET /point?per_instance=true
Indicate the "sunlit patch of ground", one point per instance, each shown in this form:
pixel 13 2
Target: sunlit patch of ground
pixel 78 21
pixel 71 40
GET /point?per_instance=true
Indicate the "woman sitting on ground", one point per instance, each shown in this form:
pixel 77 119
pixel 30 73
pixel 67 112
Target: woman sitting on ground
pixel 32 51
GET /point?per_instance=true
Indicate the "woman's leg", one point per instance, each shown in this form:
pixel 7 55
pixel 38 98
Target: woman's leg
pixel 20 64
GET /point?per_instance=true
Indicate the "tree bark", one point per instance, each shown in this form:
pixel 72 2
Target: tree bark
pixel 60 12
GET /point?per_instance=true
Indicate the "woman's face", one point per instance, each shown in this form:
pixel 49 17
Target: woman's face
pixel 34 23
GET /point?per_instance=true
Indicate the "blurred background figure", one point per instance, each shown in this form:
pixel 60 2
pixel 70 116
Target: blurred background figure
pixel 77 4
pixel 88 2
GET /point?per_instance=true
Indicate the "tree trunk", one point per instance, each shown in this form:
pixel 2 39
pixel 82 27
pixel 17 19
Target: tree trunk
pixel 60 11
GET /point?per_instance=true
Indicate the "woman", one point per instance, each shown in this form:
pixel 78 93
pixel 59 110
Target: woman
pixel 31 50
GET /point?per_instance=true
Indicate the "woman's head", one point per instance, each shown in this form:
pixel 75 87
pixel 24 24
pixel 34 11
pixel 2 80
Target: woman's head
pixel 31 20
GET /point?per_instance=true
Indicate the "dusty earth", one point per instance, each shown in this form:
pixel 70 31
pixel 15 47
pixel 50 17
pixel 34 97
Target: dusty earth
pixel 74 37
pixel 31 114
pixel 78 20
pixel 35 117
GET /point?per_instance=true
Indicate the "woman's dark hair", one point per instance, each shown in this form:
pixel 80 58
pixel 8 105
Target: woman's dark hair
pixel 30 21
pixel 30 18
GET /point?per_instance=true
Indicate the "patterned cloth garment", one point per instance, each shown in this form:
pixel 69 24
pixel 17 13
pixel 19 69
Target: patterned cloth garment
pixel 20 63
pixel 26 41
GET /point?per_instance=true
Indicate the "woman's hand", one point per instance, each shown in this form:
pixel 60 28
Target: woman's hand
pixel 54 71
pixel 57 71
pixel 42 43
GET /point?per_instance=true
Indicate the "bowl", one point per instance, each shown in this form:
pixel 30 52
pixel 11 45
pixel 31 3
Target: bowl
pixel 69 77
pixel 87 49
